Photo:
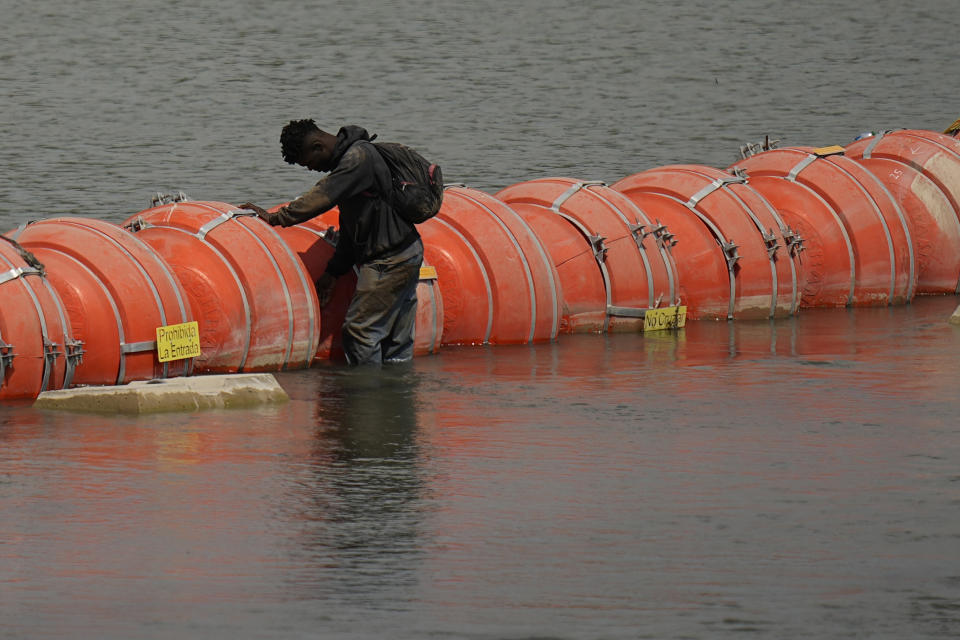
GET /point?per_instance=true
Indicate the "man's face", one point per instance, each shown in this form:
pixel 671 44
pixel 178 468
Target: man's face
pixel 317 152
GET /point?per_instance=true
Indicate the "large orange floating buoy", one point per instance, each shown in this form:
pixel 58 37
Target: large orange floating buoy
pixel 875 232
pixel 255 304
pixel 37 348
pixel 117 291
pixel 921 169
pixel 581 286
pixel 817 239
pixel 637 272
pixel 751 241
pixel 495 276
pixel 314 242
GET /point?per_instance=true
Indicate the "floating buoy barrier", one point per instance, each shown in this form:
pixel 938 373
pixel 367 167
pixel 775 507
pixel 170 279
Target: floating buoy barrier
pixel 921 169
pixel 496 279
pixel 873 229
pixel 314 242
pixel 37 348
pixel 117 290
pixel 636 271
pixel 188 287
pixel 255 304
pixel 760 276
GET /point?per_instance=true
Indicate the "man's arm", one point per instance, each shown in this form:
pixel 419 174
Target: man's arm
pixel 349 178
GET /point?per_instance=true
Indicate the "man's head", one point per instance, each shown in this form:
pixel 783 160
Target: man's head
pixel 305 144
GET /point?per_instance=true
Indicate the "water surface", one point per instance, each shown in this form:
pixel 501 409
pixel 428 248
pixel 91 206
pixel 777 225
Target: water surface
pixel 788 480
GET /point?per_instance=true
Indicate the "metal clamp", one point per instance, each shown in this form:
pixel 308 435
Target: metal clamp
pixel 753 148
pixel 626 312
pixel 599 250
pixel 710 188
pixel 223 217
pixel 138 347
pixel 137 224
pixel 731 253
pixel 638 233
pixel 75 350
pixel 794 242
pixel 160 198
pixel 6 358
pixel 771 241
pixel 17 272
pixel 664 238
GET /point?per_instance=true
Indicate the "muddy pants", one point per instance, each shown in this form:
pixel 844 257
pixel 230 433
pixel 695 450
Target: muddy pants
pixel 380 321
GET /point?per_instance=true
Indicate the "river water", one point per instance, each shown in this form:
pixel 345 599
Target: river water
pixel 796 479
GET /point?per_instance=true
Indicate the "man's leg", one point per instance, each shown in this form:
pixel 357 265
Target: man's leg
pixel 386 290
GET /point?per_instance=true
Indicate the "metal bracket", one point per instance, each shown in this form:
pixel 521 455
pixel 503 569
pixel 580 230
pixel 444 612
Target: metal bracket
pixel 6 358
pixel 664 238
pixel 638 233
pixel 51 351
pixel 17 272
pixel 599 250
pixel 741 173
pixel 161 198
pixel 74 351
pixel 138 347
pixel 714 185
pixel 137 224
pixel 753 148
pixel 223 217
pixel 794 242
pixel 730 251
pixel 771 241
pixel 626 312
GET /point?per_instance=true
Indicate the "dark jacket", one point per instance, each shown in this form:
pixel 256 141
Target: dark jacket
pixel 369 227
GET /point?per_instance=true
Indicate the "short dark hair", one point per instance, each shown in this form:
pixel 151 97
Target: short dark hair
pixel 291 138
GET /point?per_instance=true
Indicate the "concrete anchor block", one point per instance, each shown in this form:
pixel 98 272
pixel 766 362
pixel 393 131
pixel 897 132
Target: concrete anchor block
pixel 174 394
pixel 955 318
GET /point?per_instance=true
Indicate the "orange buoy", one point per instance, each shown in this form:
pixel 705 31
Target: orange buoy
pixel 702 272
pixel 753 240
pixel 583 293
pixel 37 350
pixel 314 242
pixel 254 303
pixel 921 169
pixel 116 290
pixel 637 273
pixel 496 279
pixel 876 231
pixel 817 239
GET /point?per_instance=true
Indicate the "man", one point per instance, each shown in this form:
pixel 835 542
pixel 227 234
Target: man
pixel 387 250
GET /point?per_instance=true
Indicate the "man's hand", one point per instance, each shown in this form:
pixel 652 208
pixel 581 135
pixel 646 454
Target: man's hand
pixel 262 213
pixel 325 288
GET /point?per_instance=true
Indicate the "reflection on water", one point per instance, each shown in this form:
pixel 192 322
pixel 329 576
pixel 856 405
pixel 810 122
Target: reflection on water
pixel 355 506
pixel 791 479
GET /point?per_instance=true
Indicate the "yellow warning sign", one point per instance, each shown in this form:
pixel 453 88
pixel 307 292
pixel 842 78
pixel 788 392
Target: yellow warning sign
pixel 665 318
pixel 178 341
pixel 428 273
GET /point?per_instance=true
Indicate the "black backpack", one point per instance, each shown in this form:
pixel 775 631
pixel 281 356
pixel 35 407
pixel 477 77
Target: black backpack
pixel 417 184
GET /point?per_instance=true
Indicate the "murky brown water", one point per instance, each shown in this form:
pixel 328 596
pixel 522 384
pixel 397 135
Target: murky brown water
pixel 795 479
pixel 791 480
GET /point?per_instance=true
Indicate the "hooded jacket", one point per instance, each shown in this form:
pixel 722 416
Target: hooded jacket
pixel 358 183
